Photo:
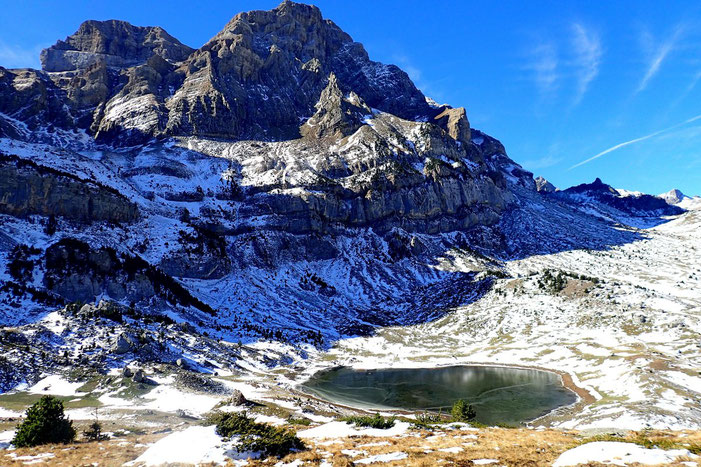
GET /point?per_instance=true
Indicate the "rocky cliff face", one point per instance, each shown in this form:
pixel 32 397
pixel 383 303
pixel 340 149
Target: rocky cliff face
pixel 257 79
pixel 27 188
pixel 115 43
pixel 348 142
pixel 264 72
pixel 544 186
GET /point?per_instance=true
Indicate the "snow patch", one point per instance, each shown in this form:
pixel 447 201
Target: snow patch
pixel 617 453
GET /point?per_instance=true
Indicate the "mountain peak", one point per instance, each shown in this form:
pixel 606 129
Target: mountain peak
pixel 299 10
pixel 544 186
pixel 597 186
pixel 673 196
pixel 258 78
pixel 117 43
pixel 336 115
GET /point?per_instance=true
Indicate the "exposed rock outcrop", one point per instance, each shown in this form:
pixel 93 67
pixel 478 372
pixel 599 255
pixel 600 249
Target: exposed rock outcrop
pixel 455 123
pixel 29 101
pixel 77 271
pixel 544 186
pixel 114 43
pixel 265 72
pixel 27 188
pixel 336 115
pixel 673 196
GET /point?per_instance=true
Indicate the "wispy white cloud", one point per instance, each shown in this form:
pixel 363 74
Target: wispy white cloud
pixel 587 58
pixel 636 140
pixel 544 64
pixel 572 58
pixel 542 162
pixel 13 56
pixel 658 53
pixel 690 87
pixel 692 84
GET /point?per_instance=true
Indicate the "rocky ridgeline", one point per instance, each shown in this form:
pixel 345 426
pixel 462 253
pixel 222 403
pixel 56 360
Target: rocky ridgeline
pixel 287 76
pixel 257 78
pixel 117 44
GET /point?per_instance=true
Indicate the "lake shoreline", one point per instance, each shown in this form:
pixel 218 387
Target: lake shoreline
pixel 583 396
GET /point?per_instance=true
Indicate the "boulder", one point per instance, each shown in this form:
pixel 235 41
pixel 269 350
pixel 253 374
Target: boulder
pixel 139 376
pixel 237 398
pixel 122 344
pixel 455 122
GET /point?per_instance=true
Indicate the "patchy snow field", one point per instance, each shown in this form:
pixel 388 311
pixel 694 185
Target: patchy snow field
pixel 614 453
pixel 633 340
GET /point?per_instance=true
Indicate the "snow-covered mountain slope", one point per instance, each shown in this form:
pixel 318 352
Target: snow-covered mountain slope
pixel 623 322
pixel 673 196
pixel 679 199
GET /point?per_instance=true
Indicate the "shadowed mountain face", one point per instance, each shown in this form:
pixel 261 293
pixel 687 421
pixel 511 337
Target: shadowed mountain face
pixel 635 205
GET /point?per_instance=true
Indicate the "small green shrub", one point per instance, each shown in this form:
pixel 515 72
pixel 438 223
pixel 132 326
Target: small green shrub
pixel 94 432
pixel 427 421
pixel 45 423
pixel 271 441
pixel 376 421
pixel 259 437
pixel 299 421
pixel 462 411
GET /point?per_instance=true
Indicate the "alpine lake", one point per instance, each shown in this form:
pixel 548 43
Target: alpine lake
pixel 499 395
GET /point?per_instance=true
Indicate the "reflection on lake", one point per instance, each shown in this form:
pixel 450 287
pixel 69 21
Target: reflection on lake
pixel 499 395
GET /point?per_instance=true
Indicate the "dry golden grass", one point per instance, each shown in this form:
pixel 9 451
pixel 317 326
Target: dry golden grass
pixel 512 447
pixel 509 446
pixel 114 452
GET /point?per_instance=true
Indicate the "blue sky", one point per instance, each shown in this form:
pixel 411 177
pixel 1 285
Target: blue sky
pixel 559 83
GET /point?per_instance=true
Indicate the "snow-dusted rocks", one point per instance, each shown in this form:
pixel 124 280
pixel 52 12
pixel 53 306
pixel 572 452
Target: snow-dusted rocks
pixel 674 196
pixel 28 188
pixel 544 186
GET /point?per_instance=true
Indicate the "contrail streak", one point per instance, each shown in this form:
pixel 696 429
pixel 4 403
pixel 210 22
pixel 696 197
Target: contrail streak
pixel 636 140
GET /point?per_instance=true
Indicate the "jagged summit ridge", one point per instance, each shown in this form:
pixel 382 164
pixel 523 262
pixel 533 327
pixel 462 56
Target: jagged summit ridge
pixel 264 72
pixel 336 115
pixel 116 43
pixel 258 78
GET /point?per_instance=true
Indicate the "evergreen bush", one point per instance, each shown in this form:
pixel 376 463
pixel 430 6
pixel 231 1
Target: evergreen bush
pixel 45 423
pixel 257 437
pixel 462 411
